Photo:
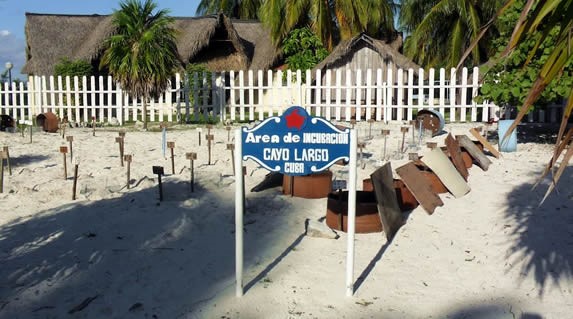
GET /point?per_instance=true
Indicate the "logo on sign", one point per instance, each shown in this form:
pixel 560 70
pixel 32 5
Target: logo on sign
pixel 296 143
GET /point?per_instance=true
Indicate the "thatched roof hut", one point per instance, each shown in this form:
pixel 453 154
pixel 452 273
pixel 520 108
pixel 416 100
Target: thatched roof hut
pixel 364 52
pixel 217 41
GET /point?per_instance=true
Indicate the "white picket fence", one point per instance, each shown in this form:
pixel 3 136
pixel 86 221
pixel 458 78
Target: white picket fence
pixel 250 96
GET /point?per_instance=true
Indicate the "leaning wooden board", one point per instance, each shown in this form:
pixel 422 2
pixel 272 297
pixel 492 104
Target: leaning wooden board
pixel 456 155
pixel 388 208
pixel 439 163
pixel 474 151
pixel 485 143
pixel 419 187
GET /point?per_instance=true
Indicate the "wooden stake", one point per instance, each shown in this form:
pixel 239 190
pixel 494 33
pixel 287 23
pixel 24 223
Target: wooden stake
pixel 404 130
pixel 352 123
pixel 360 146
pixel 127 159
pixel 70 139
pixel 30 133
pixel 75 181
pixel 159 171
pixel 171 146
pixel 119 140
pixel 228 128
pixel 192 157
pixel 7 157
pixel 93 126
pixel 209 138
pixel 63 126
pixel 64 150
pixel 2 155
pixel 385 133
pixel 370 121
pixel 209 127
pixel 413 123
pixel 199 132
pixel 231 147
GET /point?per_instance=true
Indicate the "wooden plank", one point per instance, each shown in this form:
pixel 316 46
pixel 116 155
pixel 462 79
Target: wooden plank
pixel 439 163
pixel 419 186
pixel 387 202
pixel 455 152
pixel 474 151
pixel 484 142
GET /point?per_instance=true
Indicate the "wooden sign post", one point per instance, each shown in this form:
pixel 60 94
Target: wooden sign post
pixel 2 155
pixel 413 123
pixel 70 139
pixel 361 146
pixel 228 128
pixel 404 130
pixel 231 147
pixel 385 133
pixel 192 157
pixel 30 127
pixel 63 125
pixel 171 146
pixel 76 166
pixel 159 171
pixel 93 126
pixel 7 157
pixel 209 138
pixel 352 123
pixel 64 150
pixel 209 127
pixel 199 132
pixel 370 121
pixel 119 140
pixel 127 159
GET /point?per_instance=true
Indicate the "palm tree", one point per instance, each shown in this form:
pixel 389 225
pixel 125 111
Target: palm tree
pixel 142 54
pixel 441 30
pixel 241 9
pixel 331 20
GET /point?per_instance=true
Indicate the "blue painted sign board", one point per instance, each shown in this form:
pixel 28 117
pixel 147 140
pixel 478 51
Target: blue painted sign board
pixel 296 143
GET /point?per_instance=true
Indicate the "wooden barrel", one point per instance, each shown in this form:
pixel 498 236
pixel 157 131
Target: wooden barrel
pixel 316 185
pixel 48 122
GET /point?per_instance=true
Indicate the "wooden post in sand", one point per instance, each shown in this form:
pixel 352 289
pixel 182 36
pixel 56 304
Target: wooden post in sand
pixel 30 127
pixel 192 157
pixel 231 147
pixel 352 123
pixel 159 171
pixel 63 127
pixel 209 128
pixel 119 140
pixel 209 138
pixel 199 132
pixel 75 181
pixel 70 139
pixel 93 126
pixel 7 157
pixel 370 121
pixel 404 130
pixel 127 159
pixel 413 123
pixel 171 146
pixel 385 133
pixel 2 155
pixel 64 150
pixel 228 128
pixel 361 146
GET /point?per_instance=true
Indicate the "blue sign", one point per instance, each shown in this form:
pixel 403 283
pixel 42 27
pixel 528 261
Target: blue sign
pixel 296 143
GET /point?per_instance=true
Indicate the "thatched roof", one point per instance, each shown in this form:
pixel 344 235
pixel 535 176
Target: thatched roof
pixel 348 47
pixel 51 37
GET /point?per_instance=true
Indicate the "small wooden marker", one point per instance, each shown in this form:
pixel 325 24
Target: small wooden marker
pixel 76 166
pixel 352 123
pixel 199 132
pixel 119 140
pixel 431 145
pixel 64 150
pixel 30 127
pixel 192 157
pixel 121 133
pixel 209 127
pixel 413 123
pixel 93 126
pixel 228 128
pixel 370 121
pixel 385 133
pixel 361 146
pixel 171 146
pixel 127 159
pixel 404 130
pixel 231 147
pixel 209 138
pixel 2 156
pixel 159 171
pixel 63 127
pixel 7 157
pixel 70 139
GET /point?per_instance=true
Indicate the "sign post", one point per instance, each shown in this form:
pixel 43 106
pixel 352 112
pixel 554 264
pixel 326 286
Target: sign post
pixel 295 144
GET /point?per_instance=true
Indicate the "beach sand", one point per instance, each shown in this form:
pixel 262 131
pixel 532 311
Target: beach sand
pixel 115 252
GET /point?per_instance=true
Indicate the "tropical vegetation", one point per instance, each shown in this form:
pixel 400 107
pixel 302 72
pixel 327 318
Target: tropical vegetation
pixel 302 50
pixel 142 54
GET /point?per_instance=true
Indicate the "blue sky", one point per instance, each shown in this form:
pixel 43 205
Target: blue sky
pixel 13 19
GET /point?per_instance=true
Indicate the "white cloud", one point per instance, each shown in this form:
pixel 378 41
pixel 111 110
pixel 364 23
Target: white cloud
pixel 4 33
pixel 12 49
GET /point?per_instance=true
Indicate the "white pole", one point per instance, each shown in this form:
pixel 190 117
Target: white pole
pixel 239 195
pixel 351 215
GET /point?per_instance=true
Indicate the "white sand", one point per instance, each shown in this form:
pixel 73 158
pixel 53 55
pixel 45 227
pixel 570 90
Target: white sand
pixel 120 253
